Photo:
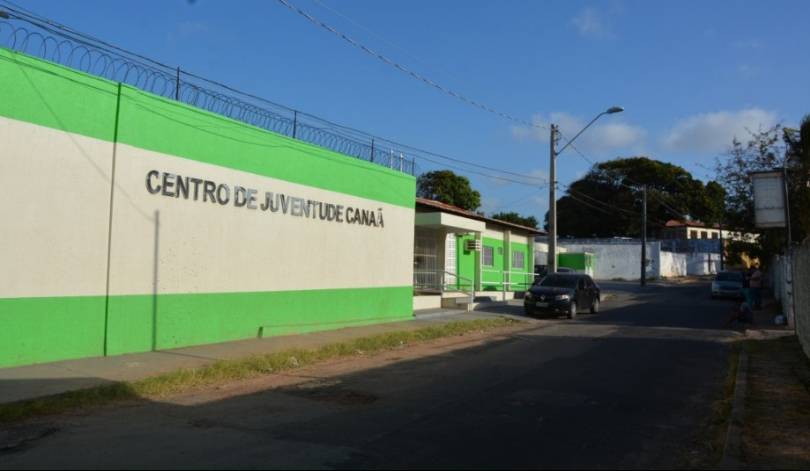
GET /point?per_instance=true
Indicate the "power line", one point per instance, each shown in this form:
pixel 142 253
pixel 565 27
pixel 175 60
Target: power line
pixel 654 193
pixel 57 28
pixel 609 205
pixel 497 177
pixel 405 69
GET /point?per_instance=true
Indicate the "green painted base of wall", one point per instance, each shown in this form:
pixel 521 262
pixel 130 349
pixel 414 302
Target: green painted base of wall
pixel 37 330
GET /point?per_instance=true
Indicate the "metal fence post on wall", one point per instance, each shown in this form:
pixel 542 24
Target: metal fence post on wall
pixel 295 123
pixel 372 149
pixel 177 86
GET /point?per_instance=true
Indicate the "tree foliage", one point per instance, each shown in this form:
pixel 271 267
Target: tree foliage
pixel 606 202
pixel 449 188
pixel 765 150
pixel 515 218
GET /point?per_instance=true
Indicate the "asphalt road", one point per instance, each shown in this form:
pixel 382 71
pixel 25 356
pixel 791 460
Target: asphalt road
pixel 628 387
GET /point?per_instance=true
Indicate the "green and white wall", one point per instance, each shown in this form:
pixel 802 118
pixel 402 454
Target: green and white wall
pixel 503 246
pixel 95 263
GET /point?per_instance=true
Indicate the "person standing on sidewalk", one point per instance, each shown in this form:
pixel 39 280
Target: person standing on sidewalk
pixel 755 284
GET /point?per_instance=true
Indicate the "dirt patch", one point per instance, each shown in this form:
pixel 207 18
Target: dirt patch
pixel 319 378
pixel 777 420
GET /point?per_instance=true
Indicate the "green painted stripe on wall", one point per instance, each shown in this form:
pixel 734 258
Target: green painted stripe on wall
pixel 37 330
pixel 54 96
pixel 193 319
pixel 165 126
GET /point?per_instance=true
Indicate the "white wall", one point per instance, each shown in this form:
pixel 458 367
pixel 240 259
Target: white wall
pixel 205 247
pixel 702 263
pixel 619 260
pixel 55 210
pixel 672 264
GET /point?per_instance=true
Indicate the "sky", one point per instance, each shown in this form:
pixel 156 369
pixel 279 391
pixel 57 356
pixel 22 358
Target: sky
pixel 691 75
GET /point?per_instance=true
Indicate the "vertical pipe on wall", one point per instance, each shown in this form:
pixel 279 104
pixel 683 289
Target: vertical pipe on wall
pixel 110 222
pixel 177 86
pixel 156 258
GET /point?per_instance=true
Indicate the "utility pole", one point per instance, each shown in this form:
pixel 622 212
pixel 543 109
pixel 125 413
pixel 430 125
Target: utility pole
pixel 552 187
pixel 722 248
pixel 644 235
pixel 552 203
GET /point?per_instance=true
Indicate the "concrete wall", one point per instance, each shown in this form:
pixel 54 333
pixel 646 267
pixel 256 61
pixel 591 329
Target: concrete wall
pixel 618 260
pixel 702 263
pixel 672 264
pixel 800 277
pixel 103 252
pixel 781 282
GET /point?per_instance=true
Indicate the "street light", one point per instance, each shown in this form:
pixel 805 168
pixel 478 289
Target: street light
pixel 552 199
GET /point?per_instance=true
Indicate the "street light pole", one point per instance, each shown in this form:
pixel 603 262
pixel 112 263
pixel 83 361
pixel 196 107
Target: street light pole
pixel 552 190
pixel 552 203
pixel 643 235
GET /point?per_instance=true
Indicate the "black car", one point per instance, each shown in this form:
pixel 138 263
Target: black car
pixel 566 292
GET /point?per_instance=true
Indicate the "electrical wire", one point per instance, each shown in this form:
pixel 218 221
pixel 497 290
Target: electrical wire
pixel 61 29
pixel 652 193
pixel 405 69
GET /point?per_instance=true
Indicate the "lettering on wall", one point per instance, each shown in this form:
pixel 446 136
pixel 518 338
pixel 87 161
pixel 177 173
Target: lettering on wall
pixel 197 189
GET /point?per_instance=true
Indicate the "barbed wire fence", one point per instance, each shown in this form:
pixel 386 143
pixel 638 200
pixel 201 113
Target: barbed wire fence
pixel 59 45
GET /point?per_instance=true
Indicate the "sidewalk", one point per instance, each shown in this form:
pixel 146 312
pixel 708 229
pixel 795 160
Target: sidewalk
pixel 29 382
pixel 776 419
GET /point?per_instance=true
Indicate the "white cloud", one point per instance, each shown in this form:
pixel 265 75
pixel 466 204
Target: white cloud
pixel 713 132
pixel 489 204
pixel 599 138
pixel 754 44
pixel 590 22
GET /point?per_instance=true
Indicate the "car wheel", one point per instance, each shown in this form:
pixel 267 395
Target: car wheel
pixel 572 310
pixel 595 306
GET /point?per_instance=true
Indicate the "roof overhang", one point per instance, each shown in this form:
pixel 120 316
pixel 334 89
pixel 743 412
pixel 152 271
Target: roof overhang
pixel 448 222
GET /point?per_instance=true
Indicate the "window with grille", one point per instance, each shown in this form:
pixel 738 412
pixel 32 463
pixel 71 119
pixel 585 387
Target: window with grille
pixel 488 256
pixel 518 260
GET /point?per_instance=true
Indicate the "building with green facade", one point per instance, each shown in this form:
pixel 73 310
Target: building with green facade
pixel 460 255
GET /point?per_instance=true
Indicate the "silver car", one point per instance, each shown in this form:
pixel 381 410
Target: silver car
pixel 728 284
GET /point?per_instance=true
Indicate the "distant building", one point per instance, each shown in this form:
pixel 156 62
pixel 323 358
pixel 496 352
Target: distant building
pixel 692 230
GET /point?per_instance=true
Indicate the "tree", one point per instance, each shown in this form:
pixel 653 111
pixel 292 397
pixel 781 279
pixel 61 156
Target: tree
pixel 765 150
pixel 606 202
pixel 447 187
pixel 516 218
pixel 798 154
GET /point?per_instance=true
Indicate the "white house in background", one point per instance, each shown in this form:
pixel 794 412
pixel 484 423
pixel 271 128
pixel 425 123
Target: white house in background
pixel 691 230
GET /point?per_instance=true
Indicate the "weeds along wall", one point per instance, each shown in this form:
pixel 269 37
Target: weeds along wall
pixel 134 223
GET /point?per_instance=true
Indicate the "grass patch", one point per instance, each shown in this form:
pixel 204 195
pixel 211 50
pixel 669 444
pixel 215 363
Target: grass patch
pixel 224 371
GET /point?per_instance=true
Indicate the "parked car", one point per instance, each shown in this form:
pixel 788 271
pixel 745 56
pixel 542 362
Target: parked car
pixel 563 292
pixel 540 272
pixel 728 284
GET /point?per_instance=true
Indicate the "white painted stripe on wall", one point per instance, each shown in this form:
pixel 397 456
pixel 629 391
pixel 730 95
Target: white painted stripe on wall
pixel 54 211
pixel 205 247
pixel 56 216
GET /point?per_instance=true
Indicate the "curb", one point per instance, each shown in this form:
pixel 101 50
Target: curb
pixel 732 452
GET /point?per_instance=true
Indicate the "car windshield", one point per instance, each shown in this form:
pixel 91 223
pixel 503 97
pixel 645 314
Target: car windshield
pixel 559 281
pixel 729 276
